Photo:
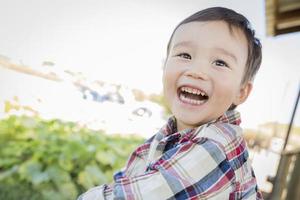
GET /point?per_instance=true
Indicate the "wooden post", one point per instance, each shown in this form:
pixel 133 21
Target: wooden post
pixel 282 171
pixel 280 180
pixel 293 192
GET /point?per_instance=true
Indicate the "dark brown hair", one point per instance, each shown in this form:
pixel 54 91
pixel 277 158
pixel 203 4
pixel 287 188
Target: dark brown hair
pixel 236 20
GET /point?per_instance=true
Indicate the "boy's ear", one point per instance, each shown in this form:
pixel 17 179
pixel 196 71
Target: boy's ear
pixel 243 93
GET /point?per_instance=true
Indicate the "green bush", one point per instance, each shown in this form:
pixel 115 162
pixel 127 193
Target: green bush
pixel 47 160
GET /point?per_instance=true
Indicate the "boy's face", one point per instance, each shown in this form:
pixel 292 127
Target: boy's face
pixel 203 72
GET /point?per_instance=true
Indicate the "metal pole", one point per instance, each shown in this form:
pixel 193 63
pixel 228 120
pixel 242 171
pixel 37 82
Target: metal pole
pixel 283 166
pixel 291 122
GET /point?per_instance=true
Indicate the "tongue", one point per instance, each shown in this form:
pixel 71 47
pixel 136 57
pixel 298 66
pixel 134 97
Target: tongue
pixel 194 96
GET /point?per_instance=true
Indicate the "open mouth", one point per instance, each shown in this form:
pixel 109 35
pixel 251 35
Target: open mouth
pixel 192 96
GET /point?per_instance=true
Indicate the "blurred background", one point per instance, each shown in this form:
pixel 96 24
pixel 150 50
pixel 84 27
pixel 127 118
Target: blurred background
pixel 80 88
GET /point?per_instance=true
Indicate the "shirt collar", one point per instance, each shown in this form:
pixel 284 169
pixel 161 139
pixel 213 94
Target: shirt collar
pixel 231 117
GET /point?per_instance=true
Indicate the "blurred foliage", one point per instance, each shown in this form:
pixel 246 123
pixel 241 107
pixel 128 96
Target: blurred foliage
pixel 160 100
pixel 155 98
pixel 48 160
pixel 139 95
pixel 263 136
pixel 14 105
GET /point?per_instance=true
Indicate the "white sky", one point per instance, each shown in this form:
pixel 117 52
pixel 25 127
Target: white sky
pixel 125 41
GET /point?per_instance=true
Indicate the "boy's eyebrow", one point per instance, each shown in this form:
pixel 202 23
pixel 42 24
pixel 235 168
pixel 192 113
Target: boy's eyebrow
pixel 183 43
pixel 227 53
pixel 189 43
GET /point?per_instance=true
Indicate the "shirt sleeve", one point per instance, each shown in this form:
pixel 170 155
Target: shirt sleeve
pixel 230 138
pixel 245 183
pixel 196 168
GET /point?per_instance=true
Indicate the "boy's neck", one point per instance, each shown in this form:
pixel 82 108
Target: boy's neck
pixel 230 116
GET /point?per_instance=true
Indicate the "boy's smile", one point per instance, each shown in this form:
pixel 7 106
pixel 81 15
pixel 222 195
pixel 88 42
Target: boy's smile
pixel 192 95
pixel 203 72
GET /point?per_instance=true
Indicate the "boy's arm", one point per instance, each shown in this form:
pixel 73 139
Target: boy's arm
pixel 198 167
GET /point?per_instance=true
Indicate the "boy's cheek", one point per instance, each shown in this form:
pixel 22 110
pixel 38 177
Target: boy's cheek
pixel 168 75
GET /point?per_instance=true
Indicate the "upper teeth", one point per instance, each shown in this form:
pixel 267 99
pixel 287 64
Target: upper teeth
pixel 193 91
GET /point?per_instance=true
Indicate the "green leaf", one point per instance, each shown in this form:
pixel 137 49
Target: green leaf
pixel 68 190
pixel 31 171
pixel 106 158
pixel 58 175
pixel 51 159
pixel 91 176
pixel 51 194
pixel 8 173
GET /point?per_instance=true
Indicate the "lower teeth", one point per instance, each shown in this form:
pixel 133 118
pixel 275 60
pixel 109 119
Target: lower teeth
pixel 191 101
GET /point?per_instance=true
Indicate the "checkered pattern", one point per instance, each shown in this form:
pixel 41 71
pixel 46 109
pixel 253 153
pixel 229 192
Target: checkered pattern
pixel 207 162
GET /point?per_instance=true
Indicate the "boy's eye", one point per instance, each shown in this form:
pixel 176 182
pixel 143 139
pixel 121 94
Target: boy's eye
pixel 185 56
pixel 220 63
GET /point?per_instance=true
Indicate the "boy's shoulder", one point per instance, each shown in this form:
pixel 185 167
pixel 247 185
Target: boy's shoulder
pixel 225 130
pixel 228 136
pixel 222 133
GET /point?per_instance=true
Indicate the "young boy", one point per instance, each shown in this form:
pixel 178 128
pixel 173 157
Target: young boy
pixel 212 58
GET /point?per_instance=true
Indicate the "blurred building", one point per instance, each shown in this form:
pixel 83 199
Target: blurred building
pixel 283 16
pixel 50 92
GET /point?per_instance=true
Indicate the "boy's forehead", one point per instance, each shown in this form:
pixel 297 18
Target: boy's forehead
pixel 211 35
pixel 191 33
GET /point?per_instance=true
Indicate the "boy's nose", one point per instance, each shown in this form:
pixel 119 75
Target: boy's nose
pixel 197 72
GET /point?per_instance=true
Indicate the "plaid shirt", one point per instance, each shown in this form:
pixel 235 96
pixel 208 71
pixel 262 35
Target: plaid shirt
pixel 207 162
